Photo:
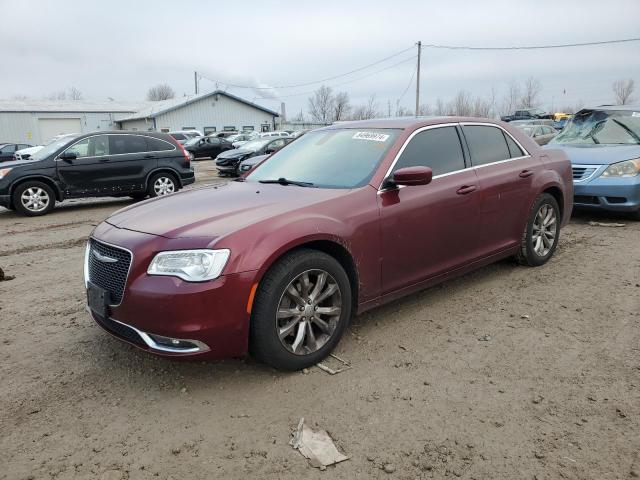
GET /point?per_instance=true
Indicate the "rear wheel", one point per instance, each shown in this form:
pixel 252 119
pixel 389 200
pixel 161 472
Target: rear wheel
pixel 301 309
pixel 33 198
pixel 540 236
pixel 162 184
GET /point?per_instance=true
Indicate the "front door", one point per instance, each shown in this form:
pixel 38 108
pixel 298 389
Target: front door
pixel 84 175
pixel 429 229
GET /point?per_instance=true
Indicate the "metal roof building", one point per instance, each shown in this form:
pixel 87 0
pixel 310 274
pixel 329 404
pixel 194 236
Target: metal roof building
pixel 215 111
pixel 36 122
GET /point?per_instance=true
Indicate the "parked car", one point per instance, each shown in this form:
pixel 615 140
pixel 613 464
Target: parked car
pixel 541 134
pixel 105 164
pixel 250 163
pixel 603 144
pixel 533 121
pixel 278 263
pixel 273 134
pixel 183 136
pixel 242 138
pixel 526 114
pixel 227 162
pixel 25 153
pixel 7 150
pixel 210 147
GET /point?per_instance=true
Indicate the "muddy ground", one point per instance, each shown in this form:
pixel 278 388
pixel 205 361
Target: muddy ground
pixel 509 372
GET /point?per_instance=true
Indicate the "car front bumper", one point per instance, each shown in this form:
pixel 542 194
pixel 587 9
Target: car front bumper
pixel 5 201
pixel 616 194
pixel 208 319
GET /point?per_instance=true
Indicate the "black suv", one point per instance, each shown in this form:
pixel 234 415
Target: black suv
pixel 105 164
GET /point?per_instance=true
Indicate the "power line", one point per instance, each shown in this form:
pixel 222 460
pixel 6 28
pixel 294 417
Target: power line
pixel 531 47
pixel 316 81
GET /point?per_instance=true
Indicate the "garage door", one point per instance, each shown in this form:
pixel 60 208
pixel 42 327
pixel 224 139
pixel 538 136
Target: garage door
pixel 50 127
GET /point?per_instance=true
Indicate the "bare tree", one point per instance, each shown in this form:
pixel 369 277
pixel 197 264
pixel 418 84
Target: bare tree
pixel 341 107
pixel 59 95
pixel 20 97
pixel 321 105
pixel 511 98
pixel 75 94
pixel 367 110
pixel 462 105
pixel 441 108
pixel 532 88
pixel 623 89
pixel 160 92
pixel 424 110
pixel 404 112
pixel 481 107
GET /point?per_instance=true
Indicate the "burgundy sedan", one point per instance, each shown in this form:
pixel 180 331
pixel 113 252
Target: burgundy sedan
pixel 342 220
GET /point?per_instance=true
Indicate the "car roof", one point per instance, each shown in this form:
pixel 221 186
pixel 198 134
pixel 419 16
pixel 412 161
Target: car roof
pixel 406 122
pixel 622 108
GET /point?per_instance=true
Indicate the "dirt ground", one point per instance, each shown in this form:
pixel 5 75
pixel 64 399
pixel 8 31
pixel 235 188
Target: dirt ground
pixel 506 373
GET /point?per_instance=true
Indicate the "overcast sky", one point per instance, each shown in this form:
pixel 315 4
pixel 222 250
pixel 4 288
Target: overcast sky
pixel 119 49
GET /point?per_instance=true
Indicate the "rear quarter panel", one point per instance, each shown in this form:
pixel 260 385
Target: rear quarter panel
pixel 558 174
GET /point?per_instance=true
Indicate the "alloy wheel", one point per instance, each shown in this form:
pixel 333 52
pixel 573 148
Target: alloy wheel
pixel 35 199
pixel 308 312
pixel 163 186
pixel 545 227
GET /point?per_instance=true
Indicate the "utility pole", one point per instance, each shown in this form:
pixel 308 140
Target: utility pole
pixel 418 79
pixel 195 79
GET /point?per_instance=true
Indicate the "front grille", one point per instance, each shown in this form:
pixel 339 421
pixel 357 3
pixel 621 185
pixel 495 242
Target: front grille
pixel 112 276
pixel 121 330
pixel 582 173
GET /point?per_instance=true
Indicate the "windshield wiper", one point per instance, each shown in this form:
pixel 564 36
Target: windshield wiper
pixel 284 181
pixel 628 130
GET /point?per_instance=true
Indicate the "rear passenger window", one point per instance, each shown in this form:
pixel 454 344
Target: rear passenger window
pixel 486 144
pixel 157 145
pixel 514 150
pixel 127 144
pixel 438 148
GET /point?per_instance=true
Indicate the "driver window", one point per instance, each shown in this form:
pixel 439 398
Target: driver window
pixel 437 148
pixel 91 147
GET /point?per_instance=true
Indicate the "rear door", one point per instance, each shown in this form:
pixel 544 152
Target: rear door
pixel 429 229
pixel 129 163
pixel 506 172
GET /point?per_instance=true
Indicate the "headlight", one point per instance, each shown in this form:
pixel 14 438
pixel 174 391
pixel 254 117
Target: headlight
pixel 628 168
pixel 4 172
pixel 190 265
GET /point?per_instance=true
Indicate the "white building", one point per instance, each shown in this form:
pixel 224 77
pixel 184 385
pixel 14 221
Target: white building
pixel 36 122
pixel 209 112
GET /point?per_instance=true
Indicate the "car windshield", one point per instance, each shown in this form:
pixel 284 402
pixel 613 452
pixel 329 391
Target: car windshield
pixel 337 158
pixel 255 145
pixel 608 127
pixel 528 130
pixel 50 148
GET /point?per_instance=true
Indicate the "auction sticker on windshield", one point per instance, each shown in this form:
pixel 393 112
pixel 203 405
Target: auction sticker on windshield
pixel 376 137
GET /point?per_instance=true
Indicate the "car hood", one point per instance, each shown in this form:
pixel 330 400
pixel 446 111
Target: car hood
pixel 214 212
pixel 18 163
pixel 254 160
pixel 238 152
pixel 597 154
pixel 30 150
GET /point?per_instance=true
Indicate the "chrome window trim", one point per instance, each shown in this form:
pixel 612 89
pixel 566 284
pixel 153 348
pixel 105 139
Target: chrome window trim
pixel 472 167
pixel 593 174
pixel 86 259
pixel 57 159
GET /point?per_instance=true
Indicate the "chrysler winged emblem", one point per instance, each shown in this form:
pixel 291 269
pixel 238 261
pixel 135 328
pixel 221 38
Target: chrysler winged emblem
pixel 103 258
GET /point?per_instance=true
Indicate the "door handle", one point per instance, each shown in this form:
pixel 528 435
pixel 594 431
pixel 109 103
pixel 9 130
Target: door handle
pixel 466 189
pixel 149 156
pixel 103 160
pixel 525 173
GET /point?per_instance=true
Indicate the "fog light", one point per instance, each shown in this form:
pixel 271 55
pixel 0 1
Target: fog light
pixel 174 343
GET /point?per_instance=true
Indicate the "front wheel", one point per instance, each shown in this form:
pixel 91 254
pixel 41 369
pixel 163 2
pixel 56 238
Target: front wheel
pixel 301 309
pixel 33 198
pixel 541 233
pixel 162 184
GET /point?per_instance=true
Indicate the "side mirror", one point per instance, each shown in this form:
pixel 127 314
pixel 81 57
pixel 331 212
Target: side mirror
pixel 413 176
pixel 269 151
pixel 68 156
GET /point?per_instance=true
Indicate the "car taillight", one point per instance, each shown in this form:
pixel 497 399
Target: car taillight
pixel 187 157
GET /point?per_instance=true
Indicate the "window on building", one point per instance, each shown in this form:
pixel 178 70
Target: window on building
pixel 208 130
pixel 248 128
pixel 486 144
pixel 229 129
pixel 165 130
pixel 437 148
pixel 188 128
pixel 264 127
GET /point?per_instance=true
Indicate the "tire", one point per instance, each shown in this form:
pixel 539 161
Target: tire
pixel 161 184
pixel 534 252
pixel 321 334
pixel 33 199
